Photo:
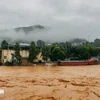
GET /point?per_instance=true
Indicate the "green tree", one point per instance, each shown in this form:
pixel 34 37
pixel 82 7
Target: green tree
pixel 97 42
pixel 52 47
pixel 4 44
pixel 32 52
pixel 17 53
pixel 83 52
pixel 57 54
pixel 40 43
pixel 45 52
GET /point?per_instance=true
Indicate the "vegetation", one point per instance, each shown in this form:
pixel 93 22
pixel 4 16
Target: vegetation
pixel 17 53
pixel 4 44
pixel 8 63
pixel 57 54
pixel 97 42
pixel 45 52
pixel 79 52
pixel 56 51
pixel 40 43
pixel 32 52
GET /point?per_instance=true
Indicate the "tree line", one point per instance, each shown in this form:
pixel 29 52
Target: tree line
pixel 66 51
pixel 56 51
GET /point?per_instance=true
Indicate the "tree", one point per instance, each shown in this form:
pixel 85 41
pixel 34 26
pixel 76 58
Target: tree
pixel 57 54
pixel 32 52
pixel 45 52
pixel 97 42
pixel 52 47
pixel 4 44
pixel 40 43
pixel 17 53
pixel 83 52
pixel 93 51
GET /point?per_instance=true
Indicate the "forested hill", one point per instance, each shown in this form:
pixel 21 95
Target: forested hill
pixel 29 29
pixel 26 34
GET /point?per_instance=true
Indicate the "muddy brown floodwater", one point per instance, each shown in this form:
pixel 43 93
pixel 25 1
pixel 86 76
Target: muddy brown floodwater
pixel 50 83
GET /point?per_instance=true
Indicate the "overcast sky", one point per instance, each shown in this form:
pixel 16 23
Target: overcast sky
pixel 78 18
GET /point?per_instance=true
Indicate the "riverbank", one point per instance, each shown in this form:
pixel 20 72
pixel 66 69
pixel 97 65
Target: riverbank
pixel 50 83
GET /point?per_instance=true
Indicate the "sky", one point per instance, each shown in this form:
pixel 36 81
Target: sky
pixel 66 18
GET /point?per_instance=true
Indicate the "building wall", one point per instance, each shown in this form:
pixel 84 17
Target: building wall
pixel 7 55
pixel 24 53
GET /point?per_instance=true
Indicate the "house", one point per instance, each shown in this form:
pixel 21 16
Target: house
pixel 24 52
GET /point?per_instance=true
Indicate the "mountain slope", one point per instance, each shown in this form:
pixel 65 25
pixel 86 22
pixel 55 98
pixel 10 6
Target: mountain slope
pixel 29 28
pixel 29 33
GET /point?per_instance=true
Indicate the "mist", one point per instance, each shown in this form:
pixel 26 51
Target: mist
pixel 58 33
pixel 63 19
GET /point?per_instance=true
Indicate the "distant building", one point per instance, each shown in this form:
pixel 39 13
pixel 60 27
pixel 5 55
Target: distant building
pixel 24 52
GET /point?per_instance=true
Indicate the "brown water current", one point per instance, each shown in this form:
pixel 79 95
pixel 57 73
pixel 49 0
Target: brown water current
pixel 50 83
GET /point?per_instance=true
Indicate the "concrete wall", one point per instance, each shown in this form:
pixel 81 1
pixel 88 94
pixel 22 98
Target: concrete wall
pixel 7 55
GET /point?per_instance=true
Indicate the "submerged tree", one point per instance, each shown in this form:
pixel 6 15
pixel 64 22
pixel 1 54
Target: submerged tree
pixel 32 52
pixel 17 53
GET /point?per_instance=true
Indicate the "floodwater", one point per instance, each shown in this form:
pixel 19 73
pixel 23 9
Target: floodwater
pixel 50 83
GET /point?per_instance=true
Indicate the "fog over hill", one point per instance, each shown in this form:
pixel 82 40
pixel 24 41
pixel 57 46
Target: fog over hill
pixel 49 20
pixel 49 34
pixel 24 34
pixel 34 33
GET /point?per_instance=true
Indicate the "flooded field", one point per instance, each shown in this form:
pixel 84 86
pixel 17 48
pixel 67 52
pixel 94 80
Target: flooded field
pixel 50 83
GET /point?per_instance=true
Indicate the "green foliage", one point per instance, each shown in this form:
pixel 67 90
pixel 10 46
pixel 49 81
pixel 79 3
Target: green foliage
pixel 45 52
pixel 52 47
pixel 17 53
pixel 83 52
pixel 14 60
pixel 32 52
pixel 80 52
pixel 97 42
pixel 40 43
pixel 4 44
pixel 57 53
